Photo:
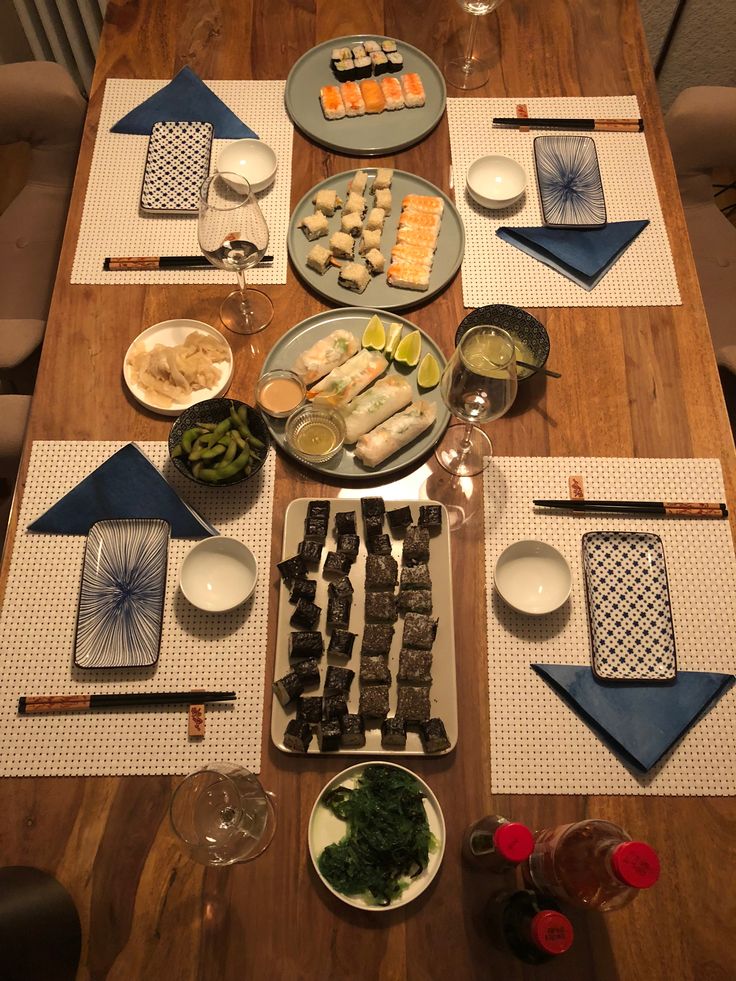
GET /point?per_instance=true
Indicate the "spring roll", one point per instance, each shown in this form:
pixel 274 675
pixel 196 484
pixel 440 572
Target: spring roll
pixel 393 434
pixel 350 378
pixel 322 357
pixel 381 400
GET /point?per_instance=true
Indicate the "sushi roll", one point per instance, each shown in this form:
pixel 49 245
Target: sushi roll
pixel 314 226
pixel 352 224
pixel 375 219
pixel 341 643
pixel 359 51
pixel 383 200
pixel 363 69
pixel 306 643
pixel 375 262
pixel 355 204
pixel 310 551
pixel 303 589
pixel 406 276
pixel 373 701
pixel 417 255
pixel 293 568
pixel 349 544
pixel 338 612
pixel 381 572
pixel 415 600
pixel 374 671
pixel 352 99
pixel 393 733
pixel 371 46
pixel 307 671
pixel 338 681
pixel 344 383
pixel 380 401
pixel 419 237
pixel 334 707
pixel 328 736
pixel 413 89
pixel 433 736
pixel 315 526
pixel 380 67
pixel 387 46
pixel 340 54
pixel 372 507
pixel 309 708
pixel 379 545
pixel 306 614
pixel 415 577
pixel 371 240
pixel 413 703
pixel 336 563
pixel 381 607
pixel 428 203
pixel 357 183
pixel 415 667
pixel 344 71
pixel 352 731
pixel 395 433
pixel 342 245
pixel 326 201
pixel 399 518
pixel 341 586
pixel 377 639
pixel 331 102
pixel 372 95
pixel 419 631
pixel 322 357
pixel 416 546
pixel 392 93
pixel 288 688
pixel 298 735
pixel 430 516
pixel 395 61
pixel 410 218
pixel 373 528
pixel 354 277
pixel 319 258
pixel 382 180
pixel 345 521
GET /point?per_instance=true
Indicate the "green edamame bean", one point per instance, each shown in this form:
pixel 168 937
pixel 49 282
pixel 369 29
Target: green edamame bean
pixel 213 452
pixel 200 445
pixel 189 436
pixel 215 476
pixel 176 452
pixel 230 452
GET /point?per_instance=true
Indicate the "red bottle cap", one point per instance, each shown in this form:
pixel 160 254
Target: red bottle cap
pixel 551 931
pixel 514 842
pixel 636 864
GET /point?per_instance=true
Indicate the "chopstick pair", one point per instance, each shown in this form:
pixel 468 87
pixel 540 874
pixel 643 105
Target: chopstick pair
pixel 687 509
pixel 131 263
pixel 585 125
pixel 45 704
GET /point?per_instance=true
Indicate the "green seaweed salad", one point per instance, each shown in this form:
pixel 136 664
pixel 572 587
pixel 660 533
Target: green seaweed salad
pixel 388 837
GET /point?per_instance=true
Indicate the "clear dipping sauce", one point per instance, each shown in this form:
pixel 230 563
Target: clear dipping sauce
pixel 316 438
pixel 315 432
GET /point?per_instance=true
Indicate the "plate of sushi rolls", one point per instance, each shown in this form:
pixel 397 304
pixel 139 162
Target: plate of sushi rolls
pixel 390 422
pixel 365 95
pixel 376 237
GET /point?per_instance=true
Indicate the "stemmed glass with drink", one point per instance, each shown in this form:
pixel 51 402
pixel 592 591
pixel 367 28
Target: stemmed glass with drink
pixel 478 385
pixel 233 235
pixel 469 72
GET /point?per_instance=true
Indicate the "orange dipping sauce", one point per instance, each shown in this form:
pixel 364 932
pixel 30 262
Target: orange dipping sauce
pixel 280 396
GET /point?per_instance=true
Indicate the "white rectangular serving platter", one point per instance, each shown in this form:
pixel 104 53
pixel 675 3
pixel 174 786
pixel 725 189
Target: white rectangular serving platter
pixel 443 692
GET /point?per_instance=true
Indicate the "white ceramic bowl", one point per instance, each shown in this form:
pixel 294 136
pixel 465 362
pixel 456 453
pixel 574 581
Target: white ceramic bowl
pixel 252 159
pixel 218 574
pixel 496 181
pixel 533 577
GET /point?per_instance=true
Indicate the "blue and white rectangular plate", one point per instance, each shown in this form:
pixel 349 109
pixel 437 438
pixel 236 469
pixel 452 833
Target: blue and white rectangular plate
pixel 629 613
pixel 570 187
pixel 121 598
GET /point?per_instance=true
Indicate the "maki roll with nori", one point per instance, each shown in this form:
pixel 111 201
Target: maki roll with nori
pixel 318 509
pixel 363 67
pixel 381 607
pixel 316 527
pixel 334 707
pixel 416 545
pixel 374 671
pixel 359 51
pixel 341 643
pixel 348 545
pixel 395 61
pixel 306 643
pixel 341 587
pixel 415 667
pixel 309 707
pixel 344 71
pixel 413 704
pixel 352 731
pixel 387 46
pixel 399 518
pixel 288 688
pixel 373 702
pixel 430 516
pixel 379 545
pixel 338 612
pixel 303 589
pixel 298 735
pixel 307 671
pixel 306 614
pixel 340 54
pixel 393 733
pixel 379 62
pixel 338 681
pixel 310 551
pixel 328 736
pixel 415 577
pixel 419 631
pixel 433 736
pixel 371 46
pixel 372 507
pixel 377 639
pixel 415 600
pixel 373 525
pixel 344 523
pixel 293 568
pixel 381 572
pixel 336 563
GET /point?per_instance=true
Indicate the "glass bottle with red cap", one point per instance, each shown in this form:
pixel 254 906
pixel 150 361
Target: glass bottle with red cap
pixel 530 926
pixel 592 864
pixel 497 844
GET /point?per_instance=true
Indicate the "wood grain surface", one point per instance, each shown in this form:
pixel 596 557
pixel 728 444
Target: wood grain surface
pixel 636 382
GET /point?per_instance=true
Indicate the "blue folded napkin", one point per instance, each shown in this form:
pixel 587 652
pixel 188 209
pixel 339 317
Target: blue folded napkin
pixel 583 255
pixel 185 99
pixel 639 721
pixel 125 486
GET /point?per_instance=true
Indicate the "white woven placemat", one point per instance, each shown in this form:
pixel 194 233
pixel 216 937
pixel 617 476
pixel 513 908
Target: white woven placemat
pixel 538 745
pixel 495 272
pixel 112 224
pixel 222 652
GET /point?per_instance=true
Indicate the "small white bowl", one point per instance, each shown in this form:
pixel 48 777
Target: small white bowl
pixel 218 574
pixel 252 159
pixel 496 181
pixel 533 577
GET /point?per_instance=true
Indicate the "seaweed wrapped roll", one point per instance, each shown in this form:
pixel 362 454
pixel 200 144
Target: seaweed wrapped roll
pixel 381 572
pixel 344 523
pixel 307 671
pixel 310 551
pixel 413 704
pixel 416 545
pixel 374 671
pixel 333 707
pixel 303 589
pixel 341 643
pixel 415 600
pixel 352 731
pixel 336 562
pixel 416 576
pixel 338 612
pixel 433 736
pixel 377 639
pixel 374 701
pixel 372 506
pixel 298 735
pixel 306 643
pixel 306 614
pixel 419 631
pixel 288 688
pixel 341 587
pixel 373 527
pixel 338 681
pixel 415 667
pixel 379 545
pixel 293 568
pixel 393 733
pixel 348 545
pixel 328 736
pixel 399 518
pixel 381 607
pixel 309 707
pixel 430 516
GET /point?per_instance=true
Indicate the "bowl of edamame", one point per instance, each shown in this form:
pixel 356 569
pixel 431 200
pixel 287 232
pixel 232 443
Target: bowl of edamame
pixel 219 442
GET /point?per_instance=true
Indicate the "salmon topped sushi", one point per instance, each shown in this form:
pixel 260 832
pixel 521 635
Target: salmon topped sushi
pixel 419 219
pixel 417 236
pixel 392 92
pixel 372 95
pixel 353 100
pixel 418 255
pixel 332 104
pixel 428 203
pixel 414 95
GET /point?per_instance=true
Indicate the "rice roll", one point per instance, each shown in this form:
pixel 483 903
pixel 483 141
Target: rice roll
pixel 372 95
pixel 331 101
pixel 371 240
pixel 387 46
pixel 340 54
pixel 352 224
pixel 314 226
pixel 352 99
pixel 420 237
pixel 342 245
pixel 355 204
pixel 429 203
pixel 407 276
pixel 395 61
pixel 417 255
pixel 375 219
pixel 380 67
pixel 433 736
pixel 363 68
pixel 373 407
pixel 357 182
pixel 344 70
pixel 383 200
pixel 409 218
pixel 359 51
pixel 326 201
pixel 318 258
pixel 322 357
pixel 392 93
pixel 382 180
pixel 375 262
pixel 414 94
pixel 395 433
pixel 371 46
pixel 349 379
pixel 298 735
pixel 354 277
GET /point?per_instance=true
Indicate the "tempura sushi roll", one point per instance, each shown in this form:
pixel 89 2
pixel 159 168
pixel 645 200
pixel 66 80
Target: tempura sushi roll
pixel 354 277
pixel 392 93
pixel 418 255
pixel 383 200
pixel 322 357
pixel 387 46
pixel 331 100
pixel 387 396
pixel 414 95
pixel 347 381
pixel 318 258
pixel 407 276
pixel 371 240
pixel 357 182
pixel 355 204
pixel 363 68
pixel 417 236
pixel 342 245
pixel 326 201
pixel 371 46
pixel 344 70
pixel 379 62
pixel 395 61
pixel 314 226
pixel 351 224
pixel 352 99
pixel 428 203
pixel 372 95
pixel 375 262
pixel 409 218
pixel 395 433
pixel 382 180
pixel 375 219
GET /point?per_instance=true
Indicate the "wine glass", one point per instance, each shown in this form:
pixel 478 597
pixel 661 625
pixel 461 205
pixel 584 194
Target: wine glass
pixel 233 235
pixel 222 815
pixel 478 385
pixel 468 72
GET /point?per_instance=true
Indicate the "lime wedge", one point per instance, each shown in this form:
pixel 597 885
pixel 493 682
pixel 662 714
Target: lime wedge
pixel 374 335
pixel 429 372
pixel 394 336
pixel 409 349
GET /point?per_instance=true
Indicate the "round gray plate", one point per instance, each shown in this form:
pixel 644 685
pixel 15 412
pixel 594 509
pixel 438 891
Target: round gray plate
pixel 447 259
pixel 369 135
pixel 285 352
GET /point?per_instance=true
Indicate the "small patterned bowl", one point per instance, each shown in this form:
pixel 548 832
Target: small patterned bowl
pixel 524 328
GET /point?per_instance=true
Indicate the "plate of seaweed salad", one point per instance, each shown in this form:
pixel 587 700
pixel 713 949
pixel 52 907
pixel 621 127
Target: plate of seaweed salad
pixel 376 836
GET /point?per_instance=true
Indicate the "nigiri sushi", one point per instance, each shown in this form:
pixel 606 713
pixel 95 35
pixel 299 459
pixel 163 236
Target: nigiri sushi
pixel 419 219
pixel 417 236
pixel 372 95
pixel 332 104
pixel 353 100
pixel 322 357
pixel 416 254
pixel 350 378
pixel 414 95
pixel 392 92
pixel 395 433
pixel 382 400
pixel 428 203
pixel 407 276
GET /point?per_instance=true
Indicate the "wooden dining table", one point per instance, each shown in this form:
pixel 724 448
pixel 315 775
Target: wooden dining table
pixel 637 382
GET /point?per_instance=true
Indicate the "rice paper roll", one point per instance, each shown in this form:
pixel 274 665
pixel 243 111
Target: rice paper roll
pixel 346 381
pixel 382 400
pixel 322 357
pixel 393 434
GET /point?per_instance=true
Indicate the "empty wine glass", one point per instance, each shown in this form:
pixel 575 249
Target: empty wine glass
pixel 469 72
pixel 223 815
pixel 478 385
pixel 233 235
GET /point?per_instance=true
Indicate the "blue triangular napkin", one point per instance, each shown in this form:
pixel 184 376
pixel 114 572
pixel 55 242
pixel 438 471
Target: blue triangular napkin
pixel 583 255
pixel 185 99
pixel 125 486
pixel 640 721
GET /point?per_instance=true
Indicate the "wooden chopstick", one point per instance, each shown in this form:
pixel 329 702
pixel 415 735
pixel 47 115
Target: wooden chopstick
pixel 692 509
pixel 132 263
pixel 586 125
pixel 44 704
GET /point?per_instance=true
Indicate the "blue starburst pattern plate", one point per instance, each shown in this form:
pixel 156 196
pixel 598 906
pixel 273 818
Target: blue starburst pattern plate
pixel 569 181
pixel 631 630
pixel 122 594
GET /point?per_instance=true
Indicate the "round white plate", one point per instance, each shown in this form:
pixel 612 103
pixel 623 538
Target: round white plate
pixel 326 829
pixel 174 332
